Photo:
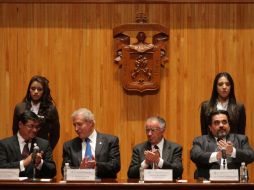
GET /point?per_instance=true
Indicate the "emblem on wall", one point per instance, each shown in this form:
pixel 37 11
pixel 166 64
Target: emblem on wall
pixel 140 61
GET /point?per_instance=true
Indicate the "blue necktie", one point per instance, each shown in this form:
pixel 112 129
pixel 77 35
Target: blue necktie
pixel 88 153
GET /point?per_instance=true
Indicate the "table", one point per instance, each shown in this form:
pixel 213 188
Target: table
pixel 118 185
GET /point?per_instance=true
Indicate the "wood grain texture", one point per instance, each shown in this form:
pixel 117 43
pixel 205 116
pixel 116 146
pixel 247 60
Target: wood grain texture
pixel 72 45
pixel 127 1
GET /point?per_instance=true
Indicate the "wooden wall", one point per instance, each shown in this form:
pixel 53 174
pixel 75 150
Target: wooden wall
pixel 72 45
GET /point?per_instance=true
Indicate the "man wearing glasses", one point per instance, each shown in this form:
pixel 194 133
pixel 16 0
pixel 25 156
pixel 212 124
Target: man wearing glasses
pixel 156 152
pixel 220 148
pixel 26 151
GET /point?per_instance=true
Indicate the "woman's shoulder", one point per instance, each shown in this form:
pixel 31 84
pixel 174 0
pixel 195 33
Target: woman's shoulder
pixel 51 109
pixel 238 104
pixel 22 106
pixel 204 104
pixel 48 106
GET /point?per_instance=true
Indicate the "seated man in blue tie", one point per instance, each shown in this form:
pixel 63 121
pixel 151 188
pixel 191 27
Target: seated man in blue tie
pixel 19 152
pixel 157 152
pixel 91 149
pixel 220 149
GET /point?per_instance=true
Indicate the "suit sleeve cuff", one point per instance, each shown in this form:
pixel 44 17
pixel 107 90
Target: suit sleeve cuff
pixel 40 165
pixel 160 164
pixel 21 166
pixel 213 157
pixel 144 165
pixel 233 155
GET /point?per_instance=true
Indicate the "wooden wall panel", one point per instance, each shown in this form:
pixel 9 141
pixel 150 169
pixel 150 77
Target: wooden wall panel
pixel 72 45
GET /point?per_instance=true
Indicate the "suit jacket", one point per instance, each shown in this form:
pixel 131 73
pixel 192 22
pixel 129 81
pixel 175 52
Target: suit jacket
pixel 171 154
pixel 236 113
pixel 205 145
pixel 50 126
pixel 10 157
pixel 107 155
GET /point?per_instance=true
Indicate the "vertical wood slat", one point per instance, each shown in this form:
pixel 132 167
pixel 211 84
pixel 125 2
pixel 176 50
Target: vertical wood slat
pixel 72 44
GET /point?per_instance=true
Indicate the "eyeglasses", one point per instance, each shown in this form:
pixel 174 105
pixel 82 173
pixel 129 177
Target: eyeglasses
pixel 33 127
pixel 152 130
pixel 217 122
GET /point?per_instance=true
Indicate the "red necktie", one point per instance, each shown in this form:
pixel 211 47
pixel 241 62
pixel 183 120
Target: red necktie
pixel 25 151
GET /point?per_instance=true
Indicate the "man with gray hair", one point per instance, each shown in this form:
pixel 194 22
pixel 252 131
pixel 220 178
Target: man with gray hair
pixel 156 152
pixel 91 149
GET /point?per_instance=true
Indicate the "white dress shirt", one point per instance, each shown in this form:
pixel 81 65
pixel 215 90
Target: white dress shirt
pixel 92 138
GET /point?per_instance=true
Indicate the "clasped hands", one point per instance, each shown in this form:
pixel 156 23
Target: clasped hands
pixel 152 157
pixel 227 146
pixel 37 159
pixel 88 163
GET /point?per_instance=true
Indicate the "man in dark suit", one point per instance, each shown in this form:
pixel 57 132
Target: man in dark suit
pixel 157 152
pixel 18 151
pixel 91 149
pixel 220 148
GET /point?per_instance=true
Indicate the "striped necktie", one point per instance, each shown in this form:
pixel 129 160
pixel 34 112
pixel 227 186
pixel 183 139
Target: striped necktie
pixel 25 151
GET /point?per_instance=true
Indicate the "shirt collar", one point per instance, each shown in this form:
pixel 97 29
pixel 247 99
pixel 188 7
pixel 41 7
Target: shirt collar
pixel 93 136
pixel 20 138
pixel 160 144
pixel 222 105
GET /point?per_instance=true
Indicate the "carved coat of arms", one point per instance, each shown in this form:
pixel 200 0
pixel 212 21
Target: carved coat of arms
pixel 141 61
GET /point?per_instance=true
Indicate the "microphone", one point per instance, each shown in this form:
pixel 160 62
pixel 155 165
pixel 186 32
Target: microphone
pixel 223 153
pixel 36 149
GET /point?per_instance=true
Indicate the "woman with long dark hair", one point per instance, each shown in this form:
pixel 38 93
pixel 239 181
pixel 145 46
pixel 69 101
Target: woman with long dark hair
pixel 223 98
pixel 39 100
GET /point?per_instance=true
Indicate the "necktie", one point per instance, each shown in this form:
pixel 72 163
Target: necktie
pixel 25 151
pixel 88 153
pixel 156 149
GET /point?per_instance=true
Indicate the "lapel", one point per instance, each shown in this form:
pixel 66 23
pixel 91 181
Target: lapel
pixel 166 150
pixel 147 146
pixel 100 142
pixel 78 149
pixel 231 138
pixel 16 147
pixel 212 144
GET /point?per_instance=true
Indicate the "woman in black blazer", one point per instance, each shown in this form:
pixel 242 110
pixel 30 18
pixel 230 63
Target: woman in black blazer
pixel 39 100
pixel 223 97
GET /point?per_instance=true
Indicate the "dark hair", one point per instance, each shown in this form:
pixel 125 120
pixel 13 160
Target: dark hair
pixel 216 112
pixel 214 95
pixel 28 115
pixel 46 98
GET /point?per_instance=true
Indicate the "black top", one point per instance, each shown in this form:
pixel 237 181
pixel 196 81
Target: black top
pixel 236 113
pixel 50 126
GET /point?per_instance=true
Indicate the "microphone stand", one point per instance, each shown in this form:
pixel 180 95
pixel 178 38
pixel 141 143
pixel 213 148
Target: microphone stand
pixel 34 173
pixel 35 151
pixel 224 157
